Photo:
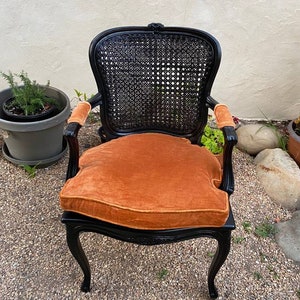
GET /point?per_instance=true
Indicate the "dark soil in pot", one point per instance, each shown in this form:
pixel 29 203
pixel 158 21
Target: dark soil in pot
pixel 12 113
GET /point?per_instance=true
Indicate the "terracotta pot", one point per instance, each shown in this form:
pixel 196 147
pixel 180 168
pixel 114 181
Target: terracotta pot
pixel 293 143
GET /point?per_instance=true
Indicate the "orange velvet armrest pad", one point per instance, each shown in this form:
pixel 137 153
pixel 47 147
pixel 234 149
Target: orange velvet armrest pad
pixel 223 116
pixel 80 113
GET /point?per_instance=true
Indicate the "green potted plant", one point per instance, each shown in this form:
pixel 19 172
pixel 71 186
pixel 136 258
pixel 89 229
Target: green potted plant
pixel 32 119
pixel 294 139
pixel 29 101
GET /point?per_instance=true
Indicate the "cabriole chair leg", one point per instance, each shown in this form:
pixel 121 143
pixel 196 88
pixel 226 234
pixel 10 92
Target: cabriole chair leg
pixel 78 253
pixel 220 256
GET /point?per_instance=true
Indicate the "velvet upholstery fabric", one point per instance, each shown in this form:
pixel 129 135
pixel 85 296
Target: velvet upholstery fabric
pixel 80 113
pixel 223 116
pixel 148 181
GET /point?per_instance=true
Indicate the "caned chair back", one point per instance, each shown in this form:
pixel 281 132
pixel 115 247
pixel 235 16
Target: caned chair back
pixel 154 80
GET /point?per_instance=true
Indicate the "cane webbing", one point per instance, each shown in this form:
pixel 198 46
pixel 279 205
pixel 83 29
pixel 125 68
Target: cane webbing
pixel 154 81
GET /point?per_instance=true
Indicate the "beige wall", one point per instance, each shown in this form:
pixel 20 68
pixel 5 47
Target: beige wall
pixel 260 70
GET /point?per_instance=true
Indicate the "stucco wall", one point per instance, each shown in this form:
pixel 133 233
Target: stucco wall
pixel 260 69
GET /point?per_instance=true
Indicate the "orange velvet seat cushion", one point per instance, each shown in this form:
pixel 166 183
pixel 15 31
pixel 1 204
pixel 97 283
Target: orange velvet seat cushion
pixel 148 181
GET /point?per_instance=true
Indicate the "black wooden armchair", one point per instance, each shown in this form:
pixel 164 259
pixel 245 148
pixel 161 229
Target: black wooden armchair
pixel 150 182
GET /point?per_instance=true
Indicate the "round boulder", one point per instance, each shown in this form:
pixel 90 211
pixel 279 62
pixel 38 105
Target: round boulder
pixel 253 138
pixel 280 177
pixel 288 237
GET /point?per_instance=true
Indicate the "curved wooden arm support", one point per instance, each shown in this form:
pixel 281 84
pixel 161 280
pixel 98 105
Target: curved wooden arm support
pixel 211 102
pixel 230 138
pixel 71 133
pixel 225 123
pixel 95 100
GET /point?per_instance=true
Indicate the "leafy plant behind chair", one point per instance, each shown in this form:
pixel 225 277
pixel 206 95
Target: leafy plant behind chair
pixel 213 139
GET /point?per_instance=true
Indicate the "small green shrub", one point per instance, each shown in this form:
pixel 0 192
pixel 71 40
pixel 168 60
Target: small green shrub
pixel 79 95
pixel 162 274
pixel 238 239
pixel 282 139
pixel 273 272
pixel 30 170
pixel 210 254
pixel 265 230
pixel 29 98
pixel 213 139
pixel 247 226
pixel 257 275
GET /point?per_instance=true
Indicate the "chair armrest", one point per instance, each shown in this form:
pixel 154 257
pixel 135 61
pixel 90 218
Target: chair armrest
pixel 75 122
pixel 230 138
pixel 70 134
pixel 80 113
pixel 225 123
pixel 223 116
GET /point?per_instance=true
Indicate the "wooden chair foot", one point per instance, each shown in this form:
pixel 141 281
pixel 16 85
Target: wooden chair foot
pixel 85 286
pixel 213 293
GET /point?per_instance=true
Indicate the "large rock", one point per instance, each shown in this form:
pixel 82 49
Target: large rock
pixel 253 138
pixel 288 237
pixel 280 177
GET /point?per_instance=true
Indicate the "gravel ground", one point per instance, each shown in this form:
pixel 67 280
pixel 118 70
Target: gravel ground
pixel 36 263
